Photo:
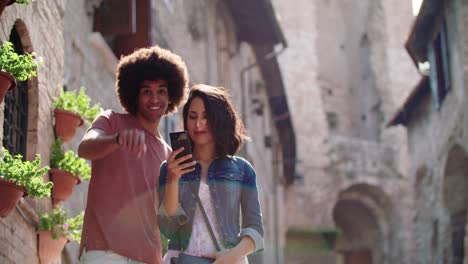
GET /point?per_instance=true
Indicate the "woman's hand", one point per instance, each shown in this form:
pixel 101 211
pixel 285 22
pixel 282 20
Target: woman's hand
pixel 226 257
pixel 176 168
pixel 236 254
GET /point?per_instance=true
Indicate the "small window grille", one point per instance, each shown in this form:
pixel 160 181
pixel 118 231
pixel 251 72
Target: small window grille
pixel 15 124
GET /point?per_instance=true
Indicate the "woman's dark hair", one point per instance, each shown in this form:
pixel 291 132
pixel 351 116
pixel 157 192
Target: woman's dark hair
pixel 151 64
pixel 222 119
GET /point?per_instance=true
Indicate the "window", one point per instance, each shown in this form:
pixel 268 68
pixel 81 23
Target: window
pixel 15 124
pixel 439 66
pixel 123 29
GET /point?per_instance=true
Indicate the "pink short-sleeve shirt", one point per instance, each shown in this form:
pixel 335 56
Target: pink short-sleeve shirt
pixel 122 197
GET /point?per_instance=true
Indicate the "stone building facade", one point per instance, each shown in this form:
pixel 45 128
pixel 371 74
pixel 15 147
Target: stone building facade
pixel 218 49
pixel 435 117
pixel 42 34
pixel 346 71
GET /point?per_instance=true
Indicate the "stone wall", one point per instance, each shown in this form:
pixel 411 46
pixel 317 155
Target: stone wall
pixel 40 25
pixel 346 71
pixel 203 33
pixel 438 145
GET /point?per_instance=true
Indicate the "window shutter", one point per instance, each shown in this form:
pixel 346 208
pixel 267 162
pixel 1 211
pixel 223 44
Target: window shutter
pixel 127 43
pixel 445 56
pixel 433 76
pixel 438 56
pixel 115 17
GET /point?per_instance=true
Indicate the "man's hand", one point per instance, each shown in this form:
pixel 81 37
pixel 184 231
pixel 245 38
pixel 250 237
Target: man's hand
pixel 133 140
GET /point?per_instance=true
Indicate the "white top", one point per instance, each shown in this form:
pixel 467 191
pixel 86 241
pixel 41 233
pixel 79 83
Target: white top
pixel 200 243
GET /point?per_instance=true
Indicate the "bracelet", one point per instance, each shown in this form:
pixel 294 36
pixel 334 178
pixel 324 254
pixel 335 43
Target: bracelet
pixel 117 141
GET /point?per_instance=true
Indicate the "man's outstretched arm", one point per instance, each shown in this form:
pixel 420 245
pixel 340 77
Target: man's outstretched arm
pixel 96 144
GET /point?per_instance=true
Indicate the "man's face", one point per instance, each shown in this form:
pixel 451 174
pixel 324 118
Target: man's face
pixel 153 100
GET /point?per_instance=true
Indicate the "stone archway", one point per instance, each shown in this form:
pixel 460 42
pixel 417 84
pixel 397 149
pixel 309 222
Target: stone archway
pixel 363 213
pixel 455 193
pixel 32 94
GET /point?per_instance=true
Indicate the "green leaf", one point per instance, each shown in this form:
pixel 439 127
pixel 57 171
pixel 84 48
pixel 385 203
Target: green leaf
pixel 22 67
pixel 25 173
pixel 69 161
pixel 58 222
pixel 78 103
pixel 23 2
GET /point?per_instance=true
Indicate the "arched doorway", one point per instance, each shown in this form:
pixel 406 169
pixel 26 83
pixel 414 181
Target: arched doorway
pixel 360 231
pixel 362 213
pixel 456 200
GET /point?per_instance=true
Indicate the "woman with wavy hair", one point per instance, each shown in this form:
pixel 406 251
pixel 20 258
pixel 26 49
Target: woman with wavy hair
pixel 224 183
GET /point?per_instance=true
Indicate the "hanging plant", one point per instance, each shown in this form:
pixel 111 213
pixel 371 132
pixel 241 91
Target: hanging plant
pixel 55 230
pixel 70 110
pixel 19 178
pixel 58 223
pixel 69 161
pixel 25 173
pixel 66 170
pixel 14 66
pixel 78 103
pixel 21 66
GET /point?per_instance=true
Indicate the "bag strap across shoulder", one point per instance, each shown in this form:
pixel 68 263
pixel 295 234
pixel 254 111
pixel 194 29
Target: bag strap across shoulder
pixel 205 217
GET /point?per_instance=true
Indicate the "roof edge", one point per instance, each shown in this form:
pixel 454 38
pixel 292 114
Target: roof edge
pixel 403 115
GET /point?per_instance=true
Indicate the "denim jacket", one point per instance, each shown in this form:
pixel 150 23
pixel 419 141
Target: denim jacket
pixel 233 189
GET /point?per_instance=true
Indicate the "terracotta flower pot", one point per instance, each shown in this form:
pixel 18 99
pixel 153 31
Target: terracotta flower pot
pixel 10 194
pixel 66 124
pixel 7 82
pixel 64 182
pixel 49 249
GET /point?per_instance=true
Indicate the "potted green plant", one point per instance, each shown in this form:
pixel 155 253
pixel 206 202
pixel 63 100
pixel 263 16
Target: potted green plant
pixel 19 178
pixel 70 110
pixel 66 170
pixel 15 67
pixel 55 230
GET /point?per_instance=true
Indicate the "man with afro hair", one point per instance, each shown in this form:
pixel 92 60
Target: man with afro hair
pixel 126 151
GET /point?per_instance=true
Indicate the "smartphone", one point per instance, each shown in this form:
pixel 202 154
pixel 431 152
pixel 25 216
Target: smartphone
pixel 181 139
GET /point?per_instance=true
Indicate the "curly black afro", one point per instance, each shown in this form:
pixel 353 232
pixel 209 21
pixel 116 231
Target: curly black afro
pixel 151 64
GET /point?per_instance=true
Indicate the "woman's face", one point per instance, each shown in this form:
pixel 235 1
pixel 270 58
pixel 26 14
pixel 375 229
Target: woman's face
pixel 197 123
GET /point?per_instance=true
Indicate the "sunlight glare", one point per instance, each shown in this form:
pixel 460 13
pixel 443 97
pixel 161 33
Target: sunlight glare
pixel 416 6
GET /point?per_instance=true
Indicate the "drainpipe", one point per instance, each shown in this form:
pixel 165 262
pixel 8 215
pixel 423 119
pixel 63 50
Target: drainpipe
pixel 243 73
pixel 249 67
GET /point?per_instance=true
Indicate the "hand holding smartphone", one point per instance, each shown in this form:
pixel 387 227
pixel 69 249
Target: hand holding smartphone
pixel 181 139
